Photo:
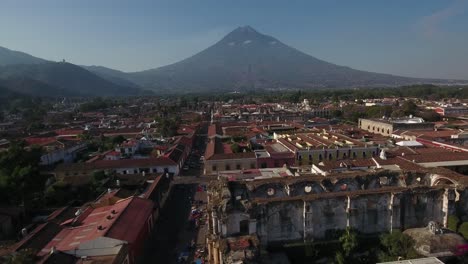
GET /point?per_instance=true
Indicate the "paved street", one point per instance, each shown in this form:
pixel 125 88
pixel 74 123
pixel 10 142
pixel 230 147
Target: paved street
pixel 173 233
pixel 172 226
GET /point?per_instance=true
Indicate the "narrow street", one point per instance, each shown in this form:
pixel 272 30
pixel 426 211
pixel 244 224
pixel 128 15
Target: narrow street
pixel 174 231
pixel 171 228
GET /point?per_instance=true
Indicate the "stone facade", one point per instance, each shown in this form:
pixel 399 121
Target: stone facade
pixel 310 208
pixel 386 127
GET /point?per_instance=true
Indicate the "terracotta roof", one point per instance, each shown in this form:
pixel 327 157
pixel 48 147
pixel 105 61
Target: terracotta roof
pixel 72 132
pixel 122 221
pixel 336 164
pixel 113 164
pixel 215 146
pixel 132 163
pixel 39 237
pixel 40 140
pixel 241 155
pixel 149 192
pixel 132 219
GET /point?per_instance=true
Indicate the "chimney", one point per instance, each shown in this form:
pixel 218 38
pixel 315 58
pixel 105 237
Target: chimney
pixel 53 250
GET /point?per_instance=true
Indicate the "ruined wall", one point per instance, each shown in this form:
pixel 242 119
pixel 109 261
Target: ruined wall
pixel 370 213
pixel 281 221
pixel 233 223
pixel 421 206
pixel 323 216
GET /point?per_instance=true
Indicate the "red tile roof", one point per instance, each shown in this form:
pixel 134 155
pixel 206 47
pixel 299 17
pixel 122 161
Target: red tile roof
pixel 39 140
pixel 132 219
pixel 122 221
pixel 133 163
pixel 70 132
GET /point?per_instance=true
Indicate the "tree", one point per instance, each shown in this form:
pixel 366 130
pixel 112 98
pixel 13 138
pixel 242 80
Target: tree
pixel 409 107
pixel 396 244
pixel 24 256
pixel 57 194
pixel 349 242
pixel 19 175
pixel 118 139
pixel 398 113
pixel 430 116
pixel 463 229
pixel 453 222
pixel 235 148
pixel 337 113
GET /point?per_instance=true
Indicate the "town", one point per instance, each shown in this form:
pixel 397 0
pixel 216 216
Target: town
pixel 348 176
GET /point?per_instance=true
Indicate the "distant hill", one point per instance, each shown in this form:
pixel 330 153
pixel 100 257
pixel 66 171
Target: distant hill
pixel 246 59
pixel 8 57
pixel 6 93
pixel 64 79
pixel 115 76
pixel 32 87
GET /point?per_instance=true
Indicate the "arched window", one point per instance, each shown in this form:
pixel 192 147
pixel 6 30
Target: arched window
pixel 363 154
pixel 330 156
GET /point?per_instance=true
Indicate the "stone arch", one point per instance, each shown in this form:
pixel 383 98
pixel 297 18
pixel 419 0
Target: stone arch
pixel 437 179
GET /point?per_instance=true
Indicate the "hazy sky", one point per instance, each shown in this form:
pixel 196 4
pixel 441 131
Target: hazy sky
pixel 427 38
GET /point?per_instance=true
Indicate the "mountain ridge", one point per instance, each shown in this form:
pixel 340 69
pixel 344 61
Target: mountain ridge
pixel 8 56
pixel 245 59
pixel 65 79
pixel 242 60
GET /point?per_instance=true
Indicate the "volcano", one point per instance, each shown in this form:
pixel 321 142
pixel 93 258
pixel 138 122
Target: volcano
pixel 248 60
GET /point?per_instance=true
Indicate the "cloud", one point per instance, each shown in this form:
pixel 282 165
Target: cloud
pixel 430 25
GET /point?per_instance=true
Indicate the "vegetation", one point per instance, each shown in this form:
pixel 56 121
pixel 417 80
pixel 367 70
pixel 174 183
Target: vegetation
pixel 20 180
pixel 424 91
pixel 61 194
pixel 395 245
pixel 236 148
pixel 24 256
pixel 349 243
pixel 104 143
pixel 96 104
pixel 453 222
pixel 463 230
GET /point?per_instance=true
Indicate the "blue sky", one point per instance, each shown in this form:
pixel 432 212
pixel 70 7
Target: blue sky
pixel 413 38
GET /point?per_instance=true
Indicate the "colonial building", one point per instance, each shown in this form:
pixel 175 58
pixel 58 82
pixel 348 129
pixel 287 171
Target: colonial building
pixel 386 126
pixel 288 209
